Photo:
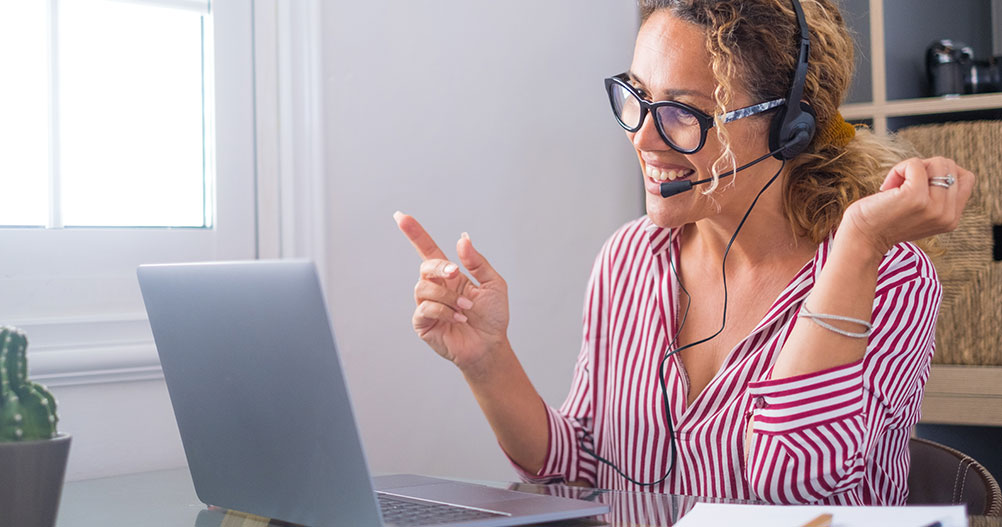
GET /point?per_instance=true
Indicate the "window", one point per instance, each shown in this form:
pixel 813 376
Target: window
pixel 107 127
pixel 126 137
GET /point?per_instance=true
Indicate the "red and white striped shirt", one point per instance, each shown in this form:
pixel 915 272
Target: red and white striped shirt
pixel 836 436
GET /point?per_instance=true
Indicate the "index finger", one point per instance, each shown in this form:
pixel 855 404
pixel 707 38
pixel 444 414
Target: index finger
pixel 419 238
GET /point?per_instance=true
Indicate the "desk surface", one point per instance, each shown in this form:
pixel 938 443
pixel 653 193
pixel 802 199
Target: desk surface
pixel 167 499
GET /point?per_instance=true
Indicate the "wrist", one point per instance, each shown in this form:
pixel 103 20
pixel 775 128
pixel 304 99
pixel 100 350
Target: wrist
pixel 488 363
pixel 851 245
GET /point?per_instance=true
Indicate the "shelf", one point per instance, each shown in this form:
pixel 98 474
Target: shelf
pixel 925 106
pixel 963 395
pixel 879 112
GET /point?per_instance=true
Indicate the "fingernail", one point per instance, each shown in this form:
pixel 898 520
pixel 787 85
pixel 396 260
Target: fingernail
pixel 460 317
pixel 467 236
pixel 450 268
pixel 397 215
pixel 464 302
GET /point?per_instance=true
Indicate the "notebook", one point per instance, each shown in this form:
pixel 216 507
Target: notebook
pixel 747 515
pixel 253 373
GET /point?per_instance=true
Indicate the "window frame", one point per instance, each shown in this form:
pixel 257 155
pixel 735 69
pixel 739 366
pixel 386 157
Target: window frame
pixel 74 290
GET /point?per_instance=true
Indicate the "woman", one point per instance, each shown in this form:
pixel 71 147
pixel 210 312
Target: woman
pixel 790 320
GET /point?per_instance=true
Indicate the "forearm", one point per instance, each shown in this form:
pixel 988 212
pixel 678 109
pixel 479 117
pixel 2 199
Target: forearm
pixel 845 286
pixel 514 409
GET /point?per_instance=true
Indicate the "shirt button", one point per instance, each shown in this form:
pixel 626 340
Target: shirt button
pixel 760 402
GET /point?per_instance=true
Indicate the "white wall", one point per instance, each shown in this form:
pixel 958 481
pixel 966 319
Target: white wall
pixel 118 428
pixel 487 117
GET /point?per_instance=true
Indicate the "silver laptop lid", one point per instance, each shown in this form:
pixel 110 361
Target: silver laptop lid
pixel 230 336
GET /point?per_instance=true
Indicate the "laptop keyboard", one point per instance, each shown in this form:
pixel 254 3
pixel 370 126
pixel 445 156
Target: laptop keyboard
pixel 405 512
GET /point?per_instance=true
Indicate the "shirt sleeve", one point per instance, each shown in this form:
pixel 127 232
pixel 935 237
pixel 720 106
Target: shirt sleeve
pixel 566 461
pixel 814 434
pixel 571 426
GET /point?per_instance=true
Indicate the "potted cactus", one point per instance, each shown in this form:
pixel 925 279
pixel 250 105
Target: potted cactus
pixel 32 455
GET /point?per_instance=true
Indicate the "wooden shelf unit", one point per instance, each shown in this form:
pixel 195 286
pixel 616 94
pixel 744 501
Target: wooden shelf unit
pixel 879 109
pixel 955 395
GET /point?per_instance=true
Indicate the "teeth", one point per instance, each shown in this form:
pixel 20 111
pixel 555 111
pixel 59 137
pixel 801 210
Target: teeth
pixel 664 175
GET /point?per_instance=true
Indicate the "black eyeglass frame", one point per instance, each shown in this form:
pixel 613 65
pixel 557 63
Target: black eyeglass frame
pixel 705 121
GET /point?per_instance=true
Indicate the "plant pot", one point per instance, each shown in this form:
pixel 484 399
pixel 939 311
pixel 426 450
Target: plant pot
pixel 31 481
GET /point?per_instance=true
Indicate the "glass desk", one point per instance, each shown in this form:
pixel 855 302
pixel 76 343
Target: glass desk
pixel 167 499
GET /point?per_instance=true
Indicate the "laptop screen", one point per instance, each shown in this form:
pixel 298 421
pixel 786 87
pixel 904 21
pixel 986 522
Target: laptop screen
pixel 257 388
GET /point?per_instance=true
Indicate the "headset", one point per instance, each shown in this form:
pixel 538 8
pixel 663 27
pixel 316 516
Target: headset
pixel 790 133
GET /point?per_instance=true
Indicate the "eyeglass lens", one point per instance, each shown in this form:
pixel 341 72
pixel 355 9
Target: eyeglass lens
pixel 626 105
pixel 678 126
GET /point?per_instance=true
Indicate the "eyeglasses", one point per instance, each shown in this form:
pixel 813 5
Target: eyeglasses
pixel 681 126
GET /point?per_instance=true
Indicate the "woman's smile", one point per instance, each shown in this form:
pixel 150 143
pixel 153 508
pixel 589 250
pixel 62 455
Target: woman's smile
pixel 656 173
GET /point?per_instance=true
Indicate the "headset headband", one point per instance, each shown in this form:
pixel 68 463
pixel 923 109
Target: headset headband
pixel 800 74
pixel 793 128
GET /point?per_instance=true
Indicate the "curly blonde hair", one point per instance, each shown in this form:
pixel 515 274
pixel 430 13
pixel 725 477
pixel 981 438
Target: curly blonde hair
pixel 753 44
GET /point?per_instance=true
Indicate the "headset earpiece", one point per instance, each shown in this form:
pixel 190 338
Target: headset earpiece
pixel 791 131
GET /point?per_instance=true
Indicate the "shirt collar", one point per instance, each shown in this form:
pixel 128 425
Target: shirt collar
pixel 660 238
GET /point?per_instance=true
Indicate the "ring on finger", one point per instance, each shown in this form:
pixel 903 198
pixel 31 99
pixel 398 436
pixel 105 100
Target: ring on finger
pixel 945 182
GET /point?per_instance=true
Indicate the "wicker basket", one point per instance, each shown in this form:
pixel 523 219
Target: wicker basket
pixel 970 318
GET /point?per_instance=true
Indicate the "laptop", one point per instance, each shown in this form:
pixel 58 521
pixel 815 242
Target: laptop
pixel 263 409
